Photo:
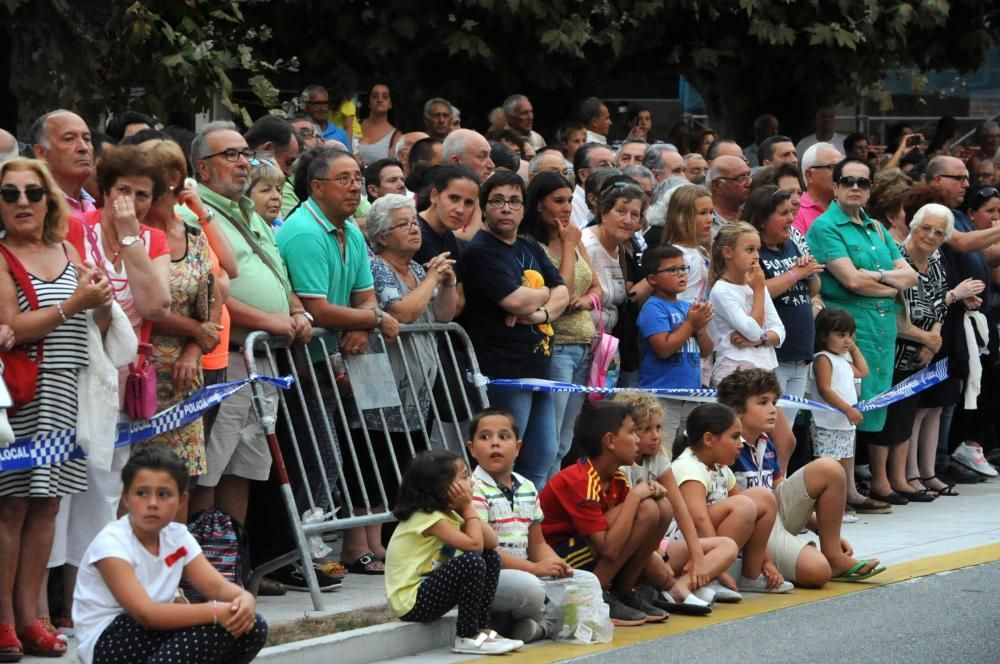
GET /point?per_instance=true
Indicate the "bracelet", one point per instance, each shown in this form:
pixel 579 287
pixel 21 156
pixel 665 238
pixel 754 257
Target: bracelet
pixel 881 276
pixel 950 295
pixel 378 317
pixel 62 314
pixel 215 612
pixel 794 274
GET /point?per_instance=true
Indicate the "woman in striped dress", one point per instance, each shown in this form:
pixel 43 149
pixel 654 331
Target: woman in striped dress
pixel 34 218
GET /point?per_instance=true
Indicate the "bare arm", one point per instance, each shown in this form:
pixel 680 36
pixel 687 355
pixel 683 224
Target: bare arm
pixel 681 514
pixel 856 281
pixel 149 281
pixel 900 277
pixel 469 538
pixel 608 543
pixel 966 241
pixel 524 301
pixel 858 362
pixel 696 499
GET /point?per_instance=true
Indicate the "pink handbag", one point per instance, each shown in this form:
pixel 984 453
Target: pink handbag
pixel 140 386
pixel 605 364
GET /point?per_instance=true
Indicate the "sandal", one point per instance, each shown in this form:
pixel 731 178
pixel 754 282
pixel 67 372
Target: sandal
pixel 39 642
pixel 55 631
pixel 367 564
pixel 11 649
pixel 332 568
pixel 854 574
pixel 948 490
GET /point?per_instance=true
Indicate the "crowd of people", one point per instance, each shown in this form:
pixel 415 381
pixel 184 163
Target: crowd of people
pixel 828 269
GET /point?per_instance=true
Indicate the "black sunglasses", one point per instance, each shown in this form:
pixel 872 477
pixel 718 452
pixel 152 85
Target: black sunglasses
pixel 849 181
pixel 13 194
pixel 982 195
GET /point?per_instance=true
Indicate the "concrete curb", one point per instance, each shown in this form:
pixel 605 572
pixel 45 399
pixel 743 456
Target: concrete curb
pixel 368 644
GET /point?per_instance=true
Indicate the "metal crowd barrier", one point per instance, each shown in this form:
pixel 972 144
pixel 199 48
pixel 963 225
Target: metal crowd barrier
pixel 344 433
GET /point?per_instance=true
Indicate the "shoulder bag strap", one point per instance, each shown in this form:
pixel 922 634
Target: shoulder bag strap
pixel 24 281
pixel 253 245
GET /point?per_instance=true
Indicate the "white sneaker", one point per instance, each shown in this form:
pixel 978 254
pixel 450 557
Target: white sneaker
pixel 719 593
pixel 484 644
pixel 849 518
pixel 863 472
pixel 971 456
pixel 759 585
pixel 527 630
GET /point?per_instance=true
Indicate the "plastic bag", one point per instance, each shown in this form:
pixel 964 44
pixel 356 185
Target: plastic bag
pixel 576 612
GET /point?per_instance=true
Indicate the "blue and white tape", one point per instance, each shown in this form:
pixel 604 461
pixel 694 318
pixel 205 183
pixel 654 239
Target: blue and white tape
pixel 918 382
pixel 58 446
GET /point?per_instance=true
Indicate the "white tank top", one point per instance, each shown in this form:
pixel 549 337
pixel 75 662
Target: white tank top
pixel 842 382
pixel 372 152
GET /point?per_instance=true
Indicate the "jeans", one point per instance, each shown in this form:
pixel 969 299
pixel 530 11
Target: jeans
pixel 536 422
pixel 570 364
pixel 521 594
pixel 794 378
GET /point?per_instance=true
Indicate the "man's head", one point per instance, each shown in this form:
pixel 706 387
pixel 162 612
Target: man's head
pixel 401 150
pixel 606 427
pixel 856 145
pixel 548 160
pixel 127 123
pixel 275 139
pixel 221 159
pixel 595 116
pixel 777 150
pixel 519 113
pixel 753 394
pixel 764 126
pixel 468 148
pixel 62 140
pixel 8 146
pixel 334 181
pixel 306 130
pixel 631 152
pixel 643 177
pixel 817 167
pixel 425 151
pixel 384 176
pixel 591 156
pixel 664 161
pixel 729 180
pixel 988 138
pixel 316 102
pixel 437 117
pixel 949 179
pixel 722 147
pixel 493 441
pixel 852 183
pixel 826 121
pixel 695 167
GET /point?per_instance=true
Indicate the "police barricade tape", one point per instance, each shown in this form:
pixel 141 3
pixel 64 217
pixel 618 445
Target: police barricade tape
pixel 53 447
pixel 916 383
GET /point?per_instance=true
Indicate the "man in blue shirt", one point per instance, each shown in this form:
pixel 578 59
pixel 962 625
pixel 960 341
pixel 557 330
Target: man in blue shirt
pixel 316 101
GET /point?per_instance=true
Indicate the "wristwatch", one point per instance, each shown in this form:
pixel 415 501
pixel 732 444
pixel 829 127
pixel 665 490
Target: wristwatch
pixel 305 313
pixel 378 317
pixel 209 216
pixel 128 240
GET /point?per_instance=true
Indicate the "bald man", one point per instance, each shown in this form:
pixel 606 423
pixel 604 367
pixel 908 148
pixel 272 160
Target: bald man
pixel 8 146
pixel 62 140
pixel 401 150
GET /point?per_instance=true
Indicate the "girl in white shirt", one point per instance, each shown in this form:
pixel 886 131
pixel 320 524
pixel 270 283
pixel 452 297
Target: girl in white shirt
pixel 746 328
pixel 123 606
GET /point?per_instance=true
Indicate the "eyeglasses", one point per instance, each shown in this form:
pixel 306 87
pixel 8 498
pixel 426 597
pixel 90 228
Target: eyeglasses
pixel 930 230
pixel 740 179
pixel 13 194
pixel 674 270
pixel 850 181
pixel 261 161
pixel 232 154
pixel 408 225
pixel 325 102
pixel 821 166
pixel 958 178
pixel 305 133
pixel 344 180
pixel 497 203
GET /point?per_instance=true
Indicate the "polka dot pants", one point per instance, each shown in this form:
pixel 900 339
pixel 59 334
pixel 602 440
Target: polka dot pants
pixel 470 580
pixel 126 642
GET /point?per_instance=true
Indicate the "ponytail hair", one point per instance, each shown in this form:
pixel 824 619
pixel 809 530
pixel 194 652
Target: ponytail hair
pixel 728 236
pixel 713 418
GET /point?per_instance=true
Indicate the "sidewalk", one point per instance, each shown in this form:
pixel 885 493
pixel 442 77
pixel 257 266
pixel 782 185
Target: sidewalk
pixel 915 531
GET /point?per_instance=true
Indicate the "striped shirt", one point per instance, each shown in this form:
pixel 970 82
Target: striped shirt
pixel 509 519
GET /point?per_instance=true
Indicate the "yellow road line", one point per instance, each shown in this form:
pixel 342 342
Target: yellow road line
pixel 759 604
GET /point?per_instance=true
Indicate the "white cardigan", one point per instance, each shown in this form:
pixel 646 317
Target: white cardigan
pixel 731 305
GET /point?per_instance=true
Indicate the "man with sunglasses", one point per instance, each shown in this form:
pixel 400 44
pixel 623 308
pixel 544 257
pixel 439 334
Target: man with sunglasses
pixel 729 181
pixel 817 167
pixel 948 179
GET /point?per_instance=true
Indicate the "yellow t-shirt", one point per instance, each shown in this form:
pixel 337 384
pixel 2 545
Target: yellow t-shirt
pixel 411 555
pixel 717 480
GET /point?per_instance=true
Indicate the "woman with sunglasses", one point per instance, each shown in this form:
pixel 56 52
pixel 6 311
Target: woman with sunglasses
pixel 53 331
pixel 792 280
pixel 864 274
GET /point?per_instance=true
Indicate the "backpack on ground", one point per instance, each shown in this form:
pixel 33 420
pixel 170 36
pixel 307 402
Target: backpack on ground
pixel 224 543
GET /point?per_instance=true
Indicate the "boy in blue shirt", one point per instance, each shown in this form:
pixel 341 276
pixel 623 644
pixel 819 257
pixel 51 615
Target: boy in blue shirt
pixel 672 333
pixel 812 497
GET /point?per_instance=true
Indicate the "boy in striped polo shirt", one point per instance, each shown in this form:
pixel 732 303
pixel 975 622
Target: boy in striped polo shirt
pixel 509 503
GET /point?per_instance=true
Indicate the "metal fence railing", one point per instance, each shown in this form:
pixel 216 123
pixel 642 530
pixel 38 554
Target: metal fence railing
pixel 345 431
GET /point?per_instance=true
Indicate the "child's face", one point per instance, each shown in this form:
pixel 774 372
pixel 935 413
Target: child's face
pixel 151 500
pixel 745 254
pixel 462 475
pixel 494 446
pixel 671 276
pixel 727 445
pixel 650 434
pixel 624 443
pixel 760 413
pixel 839 343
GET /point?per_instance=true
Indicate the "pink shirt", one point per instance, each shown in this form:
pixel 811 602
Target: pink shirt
pixel 808 211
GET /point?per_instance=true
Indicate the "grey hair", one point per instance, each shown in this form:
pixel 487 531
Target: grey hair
pixel 812 154
pixel 536 162
pixel 379 219
pixel 935 210
pixel 310 90
pixel 454 145
pixel 511 102
pixel 436 100
pixel 689 155
pixel 39 135
pixel 11 153
pixel 638 171
pixel 653 159
pixel 656 213
pixel 714 173
pixel 199 145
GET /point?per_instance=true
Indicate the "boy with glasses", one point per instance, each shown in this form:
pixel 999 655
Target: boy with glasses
pixel 673 333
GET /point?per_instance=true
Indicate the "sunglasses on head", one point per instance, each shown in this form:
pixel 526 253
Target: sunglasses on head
pixel 849 181
pixel 13 194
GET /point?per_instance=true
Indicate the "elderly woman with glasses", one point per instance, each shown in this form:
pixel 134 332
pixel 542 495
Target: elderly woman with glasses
pixel 267 184
pixel 864 274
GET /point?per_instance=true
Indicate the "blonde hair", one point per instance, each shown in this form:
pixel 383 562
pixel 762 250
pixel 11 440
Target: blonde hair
pixel 643 404
pixel 56 210
pixel 679 225
pixel 729 235
pixel 169 158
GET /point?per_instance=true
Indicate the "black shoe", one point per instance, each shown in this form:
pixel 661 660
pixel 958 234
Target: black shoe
pixel 922 496
pixel 294 579
pixel 954 473
pixel 892 498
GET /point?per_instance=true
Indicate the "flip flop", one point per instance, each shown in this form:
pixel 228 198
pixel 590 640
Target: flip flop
pixel 366 565
pixel 852 575
pixel 691 606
